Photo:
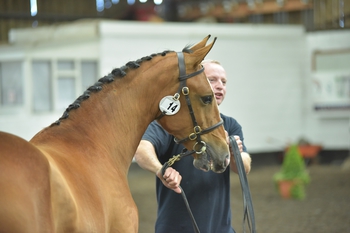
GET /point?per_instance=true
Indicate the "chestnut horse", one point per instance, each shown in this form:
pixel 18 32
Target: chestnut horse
pixel 72 175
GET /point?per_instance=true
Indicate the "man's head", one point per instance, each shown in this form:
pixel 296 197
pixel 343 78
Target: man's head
pixel 216 75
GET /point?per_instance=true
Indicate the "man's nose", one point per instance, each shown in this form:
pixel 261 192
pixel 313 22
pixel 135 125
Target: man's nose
pixel 219 85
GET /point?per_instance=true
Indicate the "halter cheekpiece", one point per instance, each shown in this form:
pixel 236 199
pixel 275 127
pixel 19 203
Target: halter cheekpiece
pixel 200 145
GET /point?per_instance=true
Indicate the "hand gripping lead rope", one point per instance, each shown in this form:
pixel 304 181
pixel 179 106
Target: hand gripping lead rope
pixel 247 199
pixel 168 164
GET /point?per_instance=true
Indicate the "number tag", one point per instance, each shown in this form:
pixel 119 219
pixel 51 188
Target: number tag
pixel 169 106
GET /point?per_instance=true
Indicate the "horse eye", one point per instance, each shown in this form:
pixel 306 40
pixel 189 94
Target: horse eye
pixel 207 99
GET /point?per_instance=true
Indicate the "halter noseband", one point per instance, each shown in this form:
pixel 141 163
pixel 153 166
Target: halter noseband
pixel 200 145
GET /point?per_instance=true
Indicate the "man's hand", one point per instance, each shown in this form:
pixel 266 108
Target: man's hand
pixel 239 144
pixel 245 156
pixel 171 179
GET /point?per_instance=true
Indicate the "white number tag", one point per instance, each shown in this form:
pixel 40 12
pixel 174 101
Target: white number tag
pixel 169 106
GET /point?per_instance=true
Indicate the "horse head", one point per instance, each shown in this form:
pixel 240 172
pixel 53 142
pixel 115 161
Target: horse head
pixel 192 114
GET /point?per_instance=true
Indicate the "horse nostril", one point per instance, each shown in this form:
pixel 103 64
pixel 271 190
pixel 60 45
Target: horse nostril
pixel 219 168
pixel 202 163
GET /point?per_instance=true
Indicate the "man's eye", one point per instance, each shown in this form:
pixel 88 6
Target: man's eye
pixel 207 99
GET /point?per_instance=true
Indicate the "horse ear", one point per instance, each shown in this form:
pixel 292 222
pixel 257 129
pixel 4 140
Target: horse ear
pixel 200 53
pixel 200 44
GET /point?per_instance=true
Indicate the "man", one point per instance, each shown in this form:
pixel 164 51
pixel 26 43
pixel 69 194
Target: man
pixel 208 193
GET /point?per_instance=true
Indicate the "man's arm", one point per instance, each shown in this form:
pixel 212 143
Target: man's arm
pixel 147 159
pixel 246 162
pixel 245 157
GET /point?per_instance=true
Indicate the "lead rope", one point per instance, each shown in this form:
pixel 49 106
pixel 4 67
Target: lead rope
pixel 170 163
pixel 247 199
pixel 248 210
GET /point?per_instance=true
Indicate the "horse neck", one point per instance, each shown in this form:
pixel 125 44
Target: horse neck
pixel 113 120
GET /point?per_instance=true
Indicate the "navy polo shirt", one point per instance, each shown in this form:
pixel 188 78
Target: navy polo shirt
pixel 208 193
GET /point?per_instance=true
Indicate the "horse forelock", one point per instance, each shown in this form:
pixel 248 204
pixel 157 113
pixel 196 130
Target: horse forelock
pixel 115 74
pixel 187 49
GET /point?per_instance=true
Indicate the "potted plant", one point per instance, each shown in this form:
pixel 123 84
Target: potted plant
pixel 292 178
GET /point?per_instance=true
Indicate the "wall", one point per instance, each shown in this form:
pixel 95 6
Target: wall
pixel 53 42
pixel 268 70
pixel 331 128
pixel 264 66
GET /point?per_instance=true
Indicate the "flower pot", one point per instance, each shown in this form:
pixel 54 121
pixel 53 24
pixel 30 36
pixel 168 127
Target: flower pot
pixel 284 187
pixel 291 189
pixel 291 179
pixel 309 151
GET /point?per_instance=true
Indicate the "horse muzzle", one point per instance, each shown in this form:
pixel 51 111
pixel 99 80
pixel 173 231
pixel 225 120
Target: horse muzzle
pixel 207 161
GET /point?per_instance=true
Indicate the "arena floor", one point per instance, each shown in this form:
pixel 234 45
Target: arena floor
pixel 326 207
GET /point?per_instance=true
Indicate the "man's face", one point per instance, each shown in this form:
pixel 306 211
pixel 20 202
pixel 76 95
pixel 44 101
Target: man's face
pixel 217 78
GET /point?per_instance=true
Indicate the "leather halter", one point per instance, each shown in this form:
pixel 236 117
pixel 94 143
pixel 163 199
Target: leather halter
pixel 200 145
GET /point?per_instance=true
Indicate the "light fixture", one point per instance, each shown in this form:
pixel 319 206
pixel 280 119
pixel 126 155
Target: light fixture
pixel 33 8
pixel 100 5
pixel 131 2
pixel 158 2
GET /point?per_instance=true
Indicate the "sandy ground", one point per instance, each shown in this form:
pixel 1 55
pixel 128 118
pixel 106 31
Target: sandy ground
pixel 326 208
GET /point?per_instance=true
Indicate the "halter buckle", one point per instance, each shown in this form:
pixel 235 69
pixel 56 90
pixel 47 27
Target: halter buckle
pixel 176 96
pixel 192 136
pixel 185 90
pixel 197 129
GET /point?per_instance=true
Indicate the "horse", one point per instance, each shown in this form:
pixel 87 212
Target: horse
pixel 72 175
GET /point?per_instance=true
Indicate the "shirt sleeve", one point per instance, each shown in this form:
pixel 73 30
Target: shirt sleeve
pixel 160 139
pixel 233 128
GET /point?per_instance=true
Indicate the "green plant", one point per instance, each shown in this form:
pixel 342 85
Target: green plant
pixel 293 170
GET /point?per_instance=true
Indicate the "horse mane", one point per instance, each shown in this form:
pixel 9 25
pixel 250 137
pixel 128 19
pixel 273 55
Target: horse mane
pixel 115 74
